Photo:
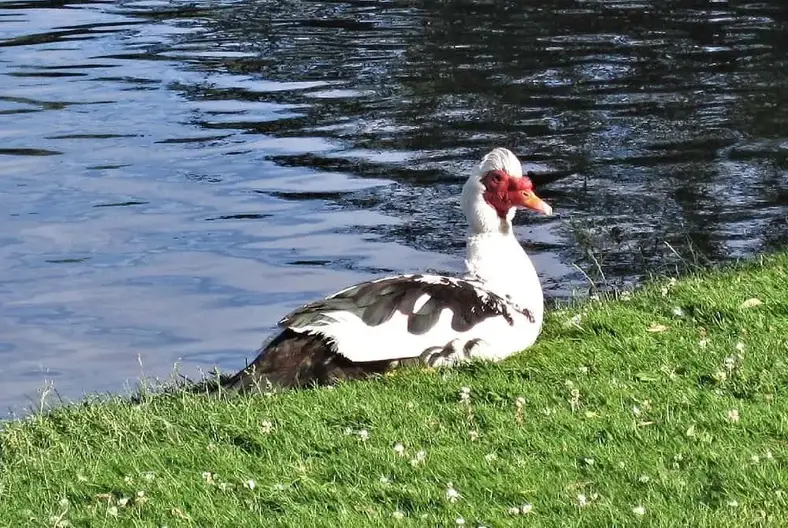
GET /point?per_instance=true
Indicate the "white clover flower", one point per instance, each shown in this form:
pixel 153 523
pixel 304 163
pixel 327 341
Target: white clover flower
pixel 582 500
pixel 452 494
pixel 733 416
pixel 398 515
pixel 460 521
pixel 574 401
pixel 250 484
pixel 419 458
pixel 140 498
pixel 640 511
pixel 730 363
pixel 525 509
pixel 399 449
pixel 266 426
pixel 474 435
pixel 363 435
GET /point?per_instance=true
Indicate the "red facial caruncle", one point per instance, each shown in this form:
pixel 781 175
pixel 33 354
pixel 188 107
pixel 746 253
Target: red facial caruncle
pixel 503 192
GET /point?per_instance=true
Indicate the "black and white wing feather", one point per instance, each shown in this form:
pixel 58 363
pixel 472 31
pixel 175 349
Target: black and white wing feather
pixel 374 325
pixel 420 298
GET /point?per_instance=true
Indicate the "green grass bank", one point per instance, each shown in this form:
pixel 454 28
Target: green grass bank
pixel 668 407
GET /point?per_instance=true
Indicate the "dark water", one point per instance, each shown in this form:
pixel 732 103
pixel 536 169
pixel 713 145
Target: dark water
pixel 174 176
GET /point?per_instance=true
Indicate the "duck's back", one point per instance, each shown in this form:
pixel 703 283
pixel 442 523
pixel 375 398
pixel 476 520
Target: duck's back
pixel 378 325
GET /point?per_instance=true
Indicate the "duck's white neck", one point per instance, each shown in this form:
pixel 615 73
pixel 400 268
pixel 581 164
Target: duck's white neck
pixel 497 259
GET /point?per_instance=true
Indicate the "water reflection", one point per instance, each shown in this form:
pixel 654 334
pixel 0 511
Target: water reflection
pixel 179 176
pixel 643 106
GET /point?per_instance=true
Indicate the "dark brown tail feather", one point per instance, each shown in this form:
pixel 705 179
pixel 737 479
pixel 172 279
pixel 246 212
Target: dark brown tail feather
pixel 295 360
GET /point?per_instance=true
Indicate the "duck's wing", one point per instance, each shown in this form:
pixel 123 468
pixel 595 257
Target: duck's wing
pixel 400 316
pixel 376 325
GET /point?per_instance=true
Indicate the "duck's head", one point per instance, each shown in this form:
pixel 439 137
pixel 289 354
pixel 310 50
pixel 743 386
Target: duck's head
pixel 495 190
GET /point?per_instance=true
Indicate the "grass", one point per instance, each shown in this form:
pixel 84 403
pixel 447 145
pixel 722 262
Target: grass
pixel 665 408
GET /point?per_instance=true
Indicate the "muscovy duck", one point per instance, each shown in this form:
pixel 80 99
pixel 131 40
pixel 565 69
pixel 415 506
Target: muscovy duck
pixel 492 312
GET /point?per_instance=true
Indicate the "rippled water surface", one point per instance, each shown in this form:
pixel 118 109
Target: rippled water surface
pixel 175 176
